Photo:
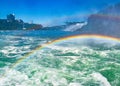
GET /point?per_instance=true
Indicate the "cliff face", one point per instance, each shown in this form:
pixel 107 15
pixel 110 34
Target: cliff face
pixel 17 25
pixel 105 22
pixel 28 26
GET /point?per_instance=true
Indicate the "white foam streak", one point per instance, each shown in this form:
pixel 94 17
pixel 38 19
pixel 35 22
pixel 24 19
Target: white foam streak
pixel 101 78
pixel 75 27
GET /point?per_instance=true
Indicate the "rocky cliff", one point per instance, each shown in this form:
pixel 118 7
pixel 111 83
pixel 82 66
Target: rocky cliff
pixel 105 22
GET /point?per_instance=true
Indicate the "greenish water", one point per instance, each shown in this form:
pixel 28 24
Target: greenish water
pixel 75 62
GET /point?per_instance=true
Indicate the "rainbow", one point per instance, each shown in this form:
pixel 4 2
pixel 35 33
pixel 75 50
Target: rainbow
pixel 107 17
pixel 62 39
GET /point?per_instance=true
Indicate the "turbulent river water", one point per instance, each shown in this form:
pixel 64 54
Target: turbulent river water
pixel 73 62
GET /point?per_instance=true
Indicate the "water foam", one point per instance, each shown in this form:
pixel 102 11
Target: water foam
pixel 101 78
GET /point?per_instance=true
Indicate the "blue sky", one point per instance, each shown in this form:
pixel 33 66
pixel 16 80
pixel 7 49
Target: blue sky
pixel 52 12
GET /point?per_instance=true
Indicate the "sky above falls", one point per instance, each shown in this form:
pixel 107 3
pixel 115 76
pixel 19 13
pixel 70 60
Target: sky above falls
pixel 52 12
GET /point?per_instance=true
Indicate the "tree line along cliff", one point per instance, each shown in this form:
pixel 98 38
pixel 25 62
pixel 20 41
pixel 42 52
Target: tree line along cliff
pixel 13 24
